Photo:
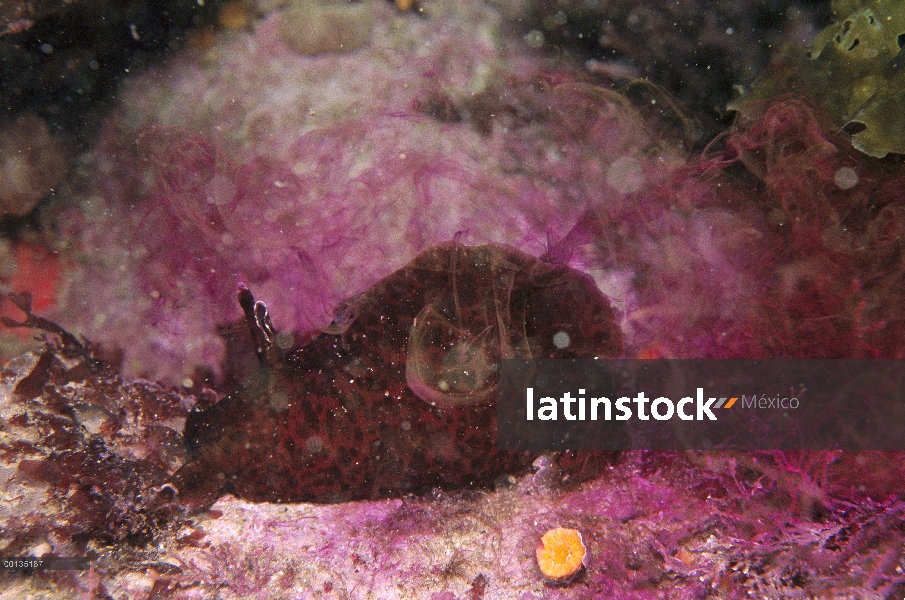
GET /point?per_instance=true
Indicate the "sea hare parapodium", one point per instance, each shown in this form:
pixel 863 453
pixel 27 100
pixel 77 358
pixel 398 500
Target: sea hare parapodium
pixel 398 396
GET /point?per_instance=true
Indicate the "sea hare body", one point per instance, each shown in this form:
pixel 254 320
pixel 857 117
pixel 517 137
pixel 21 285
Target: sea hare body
pixel 398 396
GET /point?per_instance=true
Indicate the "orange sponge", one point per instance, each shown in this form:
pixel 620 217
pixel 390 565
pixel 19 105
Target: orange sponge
pixel 561 553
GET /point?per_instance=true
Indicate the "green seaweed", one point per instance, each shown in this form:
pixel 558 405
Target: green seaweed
pixel 854 70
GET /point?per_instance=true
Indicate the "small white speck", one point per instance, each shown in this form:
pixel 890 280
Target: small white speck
pixel 534 38
pixel 561 340
pixel 314 444
pixel 845 178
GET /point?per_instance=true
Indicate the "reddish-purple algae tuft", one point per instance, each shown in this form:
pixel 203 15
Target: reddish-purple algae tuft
pixel 398 396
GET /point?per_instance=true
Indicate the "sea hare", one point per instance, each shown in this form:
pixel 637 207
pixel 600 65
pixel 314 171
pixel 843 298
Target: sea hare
pixel 398 395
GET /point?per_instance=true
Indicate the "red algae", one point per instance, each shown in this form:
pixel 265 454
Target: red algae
pixel 835 231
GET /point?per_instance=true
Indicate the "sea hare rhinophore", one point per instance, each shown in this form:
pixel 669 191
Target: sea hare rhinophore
pixel 398 396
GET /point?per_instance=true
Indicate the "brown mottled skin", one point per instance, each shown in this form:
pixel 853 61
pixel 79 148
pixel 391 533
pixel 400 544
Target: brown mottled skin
pixel 336 421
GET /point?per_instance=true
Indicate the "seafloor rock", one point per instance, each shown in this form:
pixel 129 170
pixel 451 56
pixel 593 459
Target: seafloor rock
pixel 82 449
pixel 83 453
